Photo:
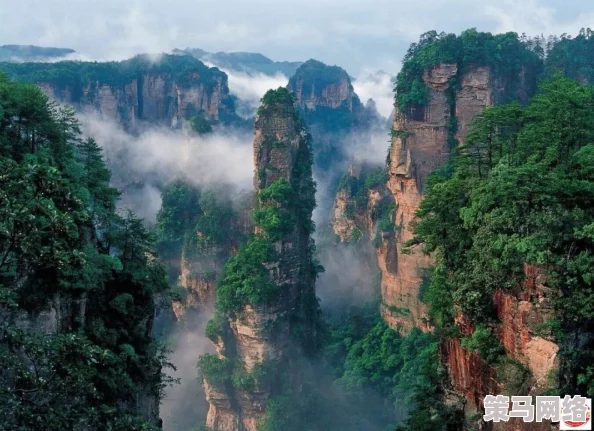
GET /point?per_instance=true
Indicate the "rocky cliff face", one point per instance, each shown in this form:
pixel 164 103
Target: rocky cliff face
pixel 532 353
pixel 422 140
pixel 419 146
pixel 316 90
pixel 202 259
pixel 164 91
pixel 198 278
pixel 259 337
pixel 154 98
pixel 356 208
pixel 334 114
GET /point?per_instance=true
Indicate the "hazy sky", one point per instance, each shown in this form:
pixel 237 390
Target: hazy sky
pixel 355 34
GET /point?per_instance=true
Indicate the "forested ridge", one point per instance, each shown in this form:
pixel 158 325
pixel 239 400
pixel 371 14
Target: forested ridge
pixel 77 280
pixel 507 54
pixel 77 74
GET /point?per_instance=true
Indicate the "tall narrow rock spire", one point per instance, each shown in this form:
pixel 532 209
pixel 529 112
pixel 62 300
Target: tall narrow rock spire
pixel 266 305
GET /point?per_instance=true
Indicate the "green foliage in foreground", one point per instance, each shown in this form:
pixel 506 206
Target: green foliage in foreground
pixel 246 280
pixel 396 366
pixel 63 244
pixel 520 191
pixel 277 215
pixel 216 370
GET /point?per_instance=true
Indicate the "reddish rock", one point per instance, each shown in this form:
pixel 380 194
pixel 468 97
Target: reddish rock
pixel 469 374
pixel 522 314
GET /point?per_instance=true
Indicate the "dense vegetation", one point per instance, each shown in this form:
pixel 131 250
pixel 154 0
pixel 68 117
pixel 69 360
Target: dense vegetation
pixel 77 280
pixel 357 188
pixel 283 219
pixel 199 226
pixel 191 216
pixel 519 192
pixel 200 124
pixel 76 74
pixel 506 54
pixel 366 377
pixel 573 56
pixel 395 366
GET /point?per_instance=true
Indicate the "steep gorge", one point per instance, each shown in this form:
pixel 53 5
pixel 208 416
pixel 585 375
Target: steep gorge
pixel 267 313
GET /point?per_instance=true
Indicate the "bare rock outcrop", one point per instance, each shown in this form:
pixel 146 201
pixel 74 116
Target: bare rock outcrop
pixel 419 146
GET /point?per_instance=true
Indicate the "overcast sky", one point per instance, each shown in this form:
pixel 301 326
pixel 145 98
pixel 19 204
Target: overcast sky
pixel 355 34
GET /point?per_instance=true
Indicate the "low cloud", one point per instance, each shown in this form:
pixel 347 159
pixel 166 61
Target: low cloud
pixel 143 164
pixel 184 406
pixel 349 276
pixel 377 86
pixel 370 149
pixel 535 17
pixel 73 56
pixel 250 87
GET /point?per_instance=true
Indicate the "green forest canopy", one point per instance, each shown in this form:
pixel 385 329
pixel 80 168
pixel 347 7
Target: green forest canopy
pixel 183 69
pixel 506 53
pixel 62 243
